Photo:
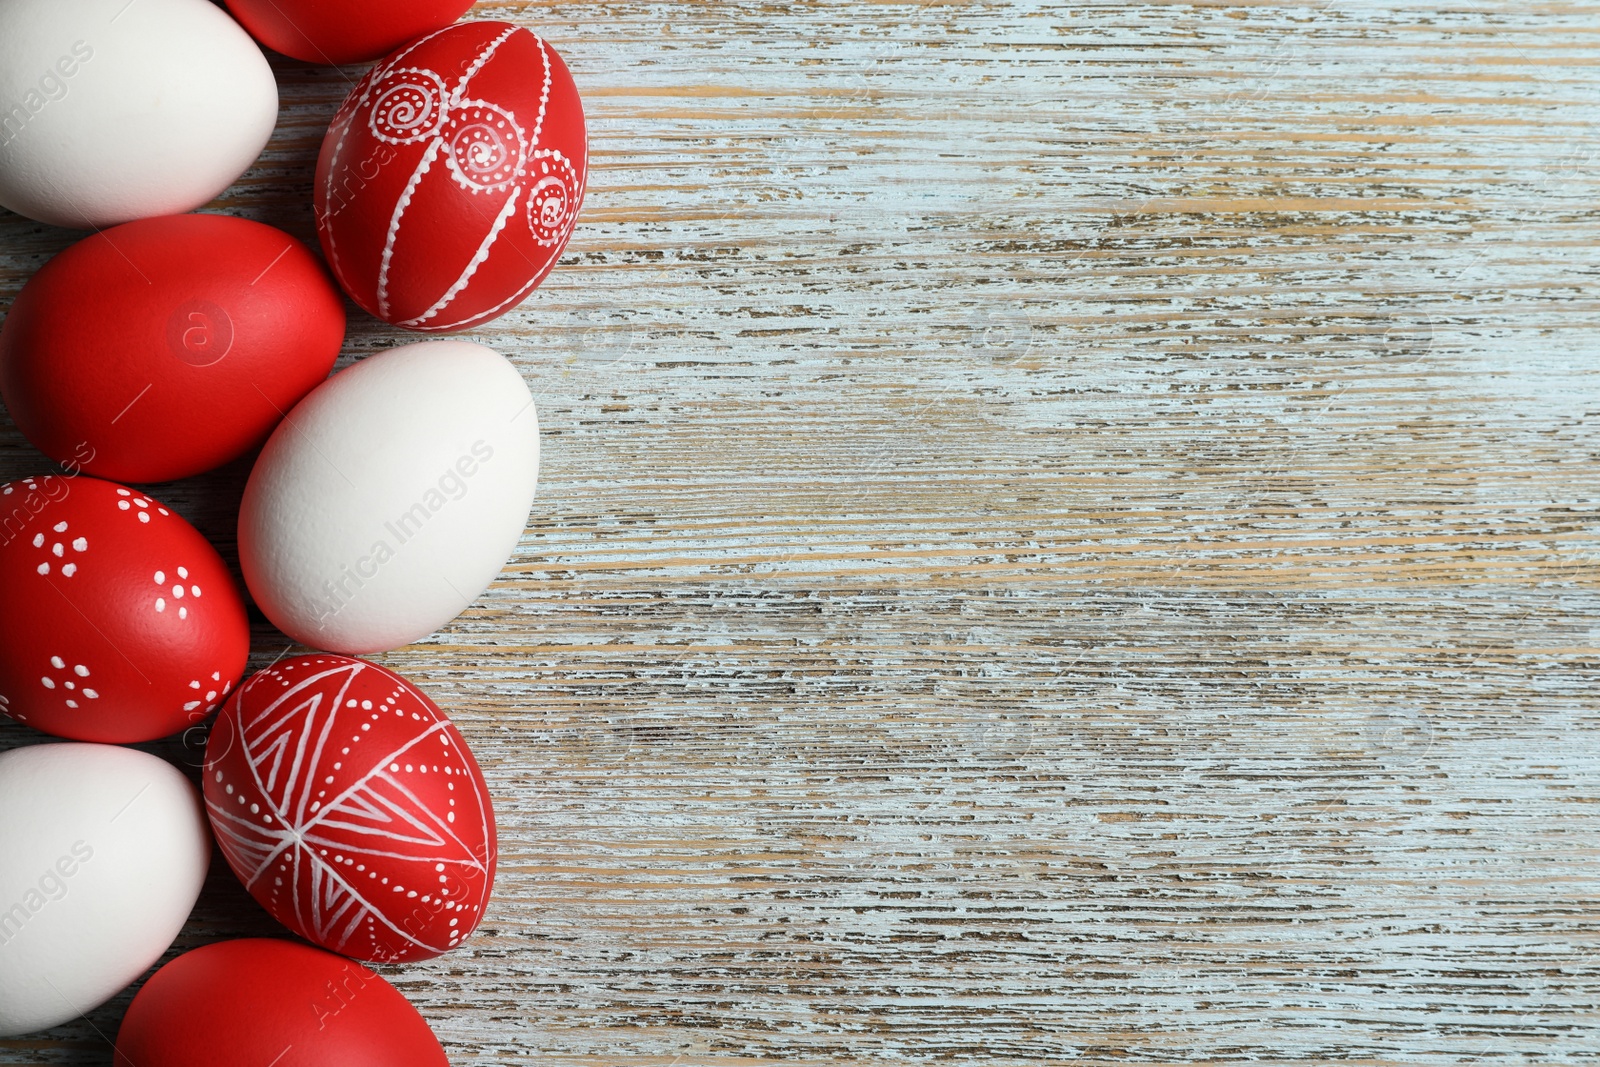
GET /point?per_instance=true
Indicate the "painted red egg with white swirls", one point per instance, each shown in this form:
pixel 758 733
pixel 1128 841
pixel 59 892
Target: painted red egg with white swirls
pixel 352 809
pixel 452 175
pixel 119 622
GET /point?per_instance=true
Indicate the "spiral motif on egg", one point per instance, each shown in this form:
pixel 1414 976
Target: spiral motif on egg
pixel 552 200
pixel 408 106
pixel 484 147
pixel 523 191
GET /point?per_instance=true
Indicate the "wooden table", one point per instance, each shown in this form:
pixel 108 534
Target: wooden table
pixel 1068 535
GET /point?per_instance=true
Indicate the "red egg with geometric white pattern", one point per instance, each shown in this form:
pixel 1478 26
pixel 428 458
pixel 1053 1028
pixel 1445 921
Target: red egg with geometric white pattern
pixel 351 809
pixel 451 177
pixel 119 622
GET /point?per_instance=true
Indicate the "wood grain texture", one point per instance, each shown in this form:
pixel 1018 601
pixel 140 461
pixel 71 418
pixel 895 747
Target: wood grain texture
pixel 1068 535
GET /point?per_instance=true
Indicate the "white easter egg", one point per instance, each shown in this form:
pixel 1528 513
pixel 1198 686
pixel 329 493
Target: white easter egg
pixel 102 854
pixel 112 110
pixel 390 497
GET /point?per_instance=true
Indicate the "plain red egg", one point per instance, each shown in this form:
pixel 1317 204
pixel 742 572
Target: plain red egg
pixel 168 346
pixel 351 809
pixel 273 1004
pixel 342 31
pixel 451 177
pixel 118 622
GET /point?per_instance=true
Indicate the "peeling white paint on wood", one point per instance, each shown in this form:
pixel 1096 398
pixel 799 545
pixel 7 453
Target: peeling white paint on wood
pixel 1068 535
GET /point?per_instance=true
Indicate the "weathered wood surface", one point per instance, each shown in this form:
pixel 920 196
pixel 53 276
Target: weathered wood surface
pixel 1068 535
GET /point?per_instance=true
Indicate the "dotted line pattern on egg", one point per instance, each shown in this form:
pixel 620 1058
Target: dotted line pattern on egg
pixel 509 209
pixel 478 64
pixel 394 222
pixel 485 126
pixel 544 92
pixel 354 103
pixel 516 298
pixel 417 175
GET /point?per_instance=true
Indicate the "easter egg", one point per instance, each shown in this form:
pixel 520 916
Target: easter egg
pixel 272 1003
pixel 390 497
pixel 168 346
pixel 116 110
pixel 351 809
pixel 121 622
pixel 342 31
pixel 103 851
pixel 451 177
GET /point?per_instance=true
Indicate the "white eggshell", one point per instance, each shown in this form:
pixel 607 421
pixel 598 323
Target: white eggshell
pixel 112 110
pixel 390 497
pixel 102 854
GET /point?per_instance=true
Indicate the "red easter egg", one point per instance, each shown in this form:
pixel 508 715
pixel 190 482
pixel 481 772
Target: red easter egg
pixel 118 621
pixel 351 809
pixel 165 347
pixel 342 31
pixel 277 1003
pixel 451 177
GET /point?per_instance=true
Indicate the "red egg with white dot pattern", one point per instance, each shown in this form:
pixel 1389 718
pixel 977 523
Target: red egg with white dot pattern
pixel 118 622
pixel 351 808
pixel 451 177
